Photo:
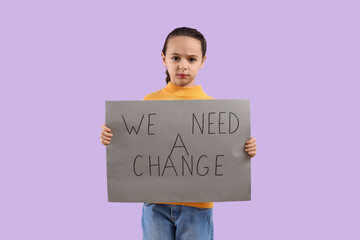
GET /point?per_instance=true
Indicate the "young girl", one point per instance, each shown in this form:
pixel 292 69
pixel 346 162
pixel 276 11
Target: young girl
pixel 183 55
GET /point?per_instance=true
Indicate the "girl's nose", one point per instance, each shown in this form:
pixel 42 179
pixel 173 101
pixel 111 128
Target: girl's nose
pixel 182 64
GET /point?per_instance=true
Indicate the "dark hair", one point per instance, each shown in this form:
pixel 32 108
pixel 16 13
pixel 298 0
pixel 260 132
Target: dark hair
pixel 184 31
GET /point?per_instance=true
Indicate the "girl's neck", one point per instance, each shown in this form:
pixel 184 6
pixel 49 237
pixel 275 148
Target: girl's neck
pixel 190 84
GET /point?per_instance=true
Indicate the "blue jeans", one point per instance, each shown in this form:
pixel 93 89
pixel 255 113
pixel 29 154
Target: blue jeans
pixel 176 222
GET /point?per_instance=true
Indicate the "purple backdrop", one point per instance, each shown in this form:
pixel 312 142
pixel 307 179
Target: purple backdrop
pixel 297 62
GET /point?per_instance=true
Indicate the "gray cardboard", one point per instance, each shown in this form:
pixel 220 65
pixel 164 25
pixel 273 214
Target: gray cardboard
pixel 178 150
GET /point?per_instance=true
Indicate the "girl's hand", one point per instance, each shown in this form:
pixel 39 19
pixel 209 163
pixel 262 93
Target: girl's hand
pixel 250 147
pixel 105 136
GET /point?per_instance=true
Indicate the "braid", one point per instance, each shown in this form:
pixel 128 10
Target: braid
pixel 167 77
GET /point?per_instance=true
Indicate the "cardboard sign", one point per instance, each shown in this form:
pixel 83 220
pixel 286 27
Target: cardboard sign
pixel 178 150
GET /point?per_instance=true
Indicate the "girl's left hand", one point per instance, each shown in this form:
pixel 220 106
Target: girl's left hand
pixel 250 147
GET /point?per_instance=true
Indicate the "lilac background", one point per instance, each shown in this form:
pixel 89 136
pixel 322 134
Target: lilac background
pixel 297 61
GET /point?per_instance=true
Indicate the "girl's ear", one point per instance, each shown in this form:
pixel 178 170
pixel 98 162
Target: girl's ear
pixel 203 61
pixel 163 58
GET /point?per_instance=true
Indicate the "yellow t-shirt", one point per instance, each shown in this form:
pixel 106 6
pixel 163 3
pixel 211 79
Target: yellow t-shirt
pixel 175 92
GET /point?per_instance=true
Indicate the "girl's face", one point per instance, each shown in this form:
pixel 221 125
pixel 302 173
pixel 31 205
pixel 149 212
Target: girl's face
pixel 183 56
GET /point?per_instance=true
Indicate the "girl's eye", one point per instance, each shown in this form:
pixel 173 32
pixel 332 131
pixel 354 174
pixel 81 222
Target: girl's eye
pixel 174 59
pixel 194 59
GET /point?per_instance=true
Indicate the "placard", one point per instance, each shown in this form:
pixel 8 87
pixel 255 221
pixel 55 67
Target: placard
pixel 178 150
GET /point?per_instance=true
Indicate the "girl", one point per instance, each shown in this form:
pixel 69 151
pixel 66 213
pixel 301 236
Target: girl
pixel 183 55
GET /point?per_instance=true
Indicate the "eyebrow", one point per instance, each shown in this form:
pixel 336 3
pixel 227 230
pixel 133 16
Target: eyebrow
pixel 180 54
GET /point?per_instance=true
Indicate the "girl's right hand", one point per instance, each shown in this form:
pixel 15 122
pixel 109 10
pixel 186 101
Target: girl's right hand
pixel 105 136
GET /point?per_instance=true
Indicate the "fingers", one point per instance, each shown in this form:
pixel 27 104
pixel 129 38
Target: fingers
pixel 252 140
pixel 105 136
pixel 104 127
pixel 250 149
pixel 250 143
pixel 252 154
pixel 104 142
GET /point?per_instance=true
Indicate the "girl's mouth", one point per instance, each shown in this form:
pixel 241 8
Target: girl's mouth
pixel 182 75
